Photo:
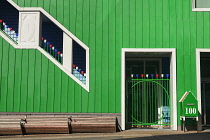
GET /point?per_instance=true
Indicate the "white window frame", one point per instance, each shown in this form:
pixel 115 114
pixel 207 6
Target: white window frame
pixel 194 9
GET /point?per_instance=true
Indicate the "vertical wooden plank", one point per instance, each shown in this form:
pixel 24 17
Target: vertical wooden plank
pixel 186 44
pixel 53 7
pixel 146 29
pixel 139 23
pixel 125 21
pixel 60 11
pixel 51 87
pixel 31 81
pixel 24 81
pixel 4 76
pixel 40 3
pixel 132 23
pixel 85 102
pixel 98 56
pixel 91 43
pixel 193 42
pixel 71 95
pixel 66 12
pixel 38 82
pixel 21 3
pixel 11 77
pixel 57 99
pixel 186 29
pixel 33 3
pixel 173 26
pixel 85 39
pixel 180 59
pixel 159 24
pixel 44 83
pixel 166 22
pixel 27 3
pixel 73 13
pixel 152 23
pixel 85 22
pixel 118 25
pixel 78 99
pixel 17 80
pixel 1 58
pixel 112 59
pixel 46 5
pixel 79 14
pixel 64 90
pixel 206 41
pixel 105 58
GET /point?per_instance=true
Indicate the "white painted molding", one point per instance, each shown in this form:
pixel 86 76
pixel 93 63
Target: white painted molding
pixel 66 31
pixel 67 52
pixel 198 82
pixel 194 9
pixel 87 69
pixel 123 89
pixel 198 76
pixel 29 29
pixel 173 81
pixel 173 89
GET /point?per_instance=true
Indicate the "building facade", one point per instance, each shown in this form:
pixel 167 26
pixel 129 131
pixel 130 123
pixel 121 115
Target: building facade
pixel 133 59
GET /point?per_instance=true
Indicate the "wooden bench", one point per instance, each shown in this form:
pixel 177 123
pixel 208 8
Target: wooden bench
pixel 46 125
pixel 92 124
pixel 43 124
pixel 10 125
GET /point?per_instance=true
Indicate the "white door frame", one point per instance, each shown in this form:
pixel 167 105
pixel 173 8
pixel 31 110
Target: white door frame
pixel 198 80
pixel 172 81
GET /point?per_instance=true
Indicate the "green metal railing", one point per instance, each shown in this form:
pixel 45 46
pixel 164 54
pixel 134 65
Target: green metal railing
pixel 148 101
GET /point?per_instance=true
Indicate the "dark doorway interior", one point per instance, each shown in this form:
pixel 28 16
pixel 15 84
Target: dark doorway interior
pixel 205 89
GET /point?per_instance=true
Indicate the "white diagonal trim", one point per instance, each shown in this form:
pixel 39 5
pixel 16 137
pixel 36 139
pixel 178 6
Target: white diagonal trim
pixel 51 58
pixel 35 9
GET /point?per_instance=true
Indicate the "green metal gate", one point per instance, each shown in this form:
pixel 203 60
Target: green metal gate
pixel 148 101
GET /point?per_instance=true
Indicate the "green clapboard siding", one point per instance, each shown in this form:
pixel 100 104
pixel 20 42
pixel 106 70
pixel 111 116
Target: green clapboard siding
pixel 105 26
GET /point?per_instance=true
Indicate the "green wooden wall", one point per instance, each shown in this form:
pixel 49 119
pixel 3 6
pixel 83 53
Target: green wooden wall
pixel 105 26
pixel 29 82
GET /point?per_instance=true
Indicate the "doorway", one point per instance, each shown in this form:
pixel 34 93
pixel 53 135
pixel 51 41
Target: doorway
pixel 147 91
pixel 205 88
pixel 148 97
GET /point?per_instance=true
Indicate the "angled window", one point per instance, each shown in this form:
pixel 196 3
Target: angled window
pixel 34 28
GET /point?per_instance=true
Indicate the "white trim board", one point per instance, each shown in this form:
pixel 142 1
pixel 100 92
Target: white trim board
pixel 172 75
pixel 194 9
pixel 198 80
pixel 66 31
pixel 198 76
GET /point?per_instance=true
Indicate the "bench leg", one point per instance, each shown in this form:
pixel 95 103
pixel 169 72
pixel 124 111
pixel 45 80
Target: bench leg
pixel 22 129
